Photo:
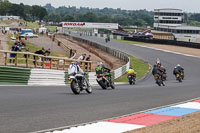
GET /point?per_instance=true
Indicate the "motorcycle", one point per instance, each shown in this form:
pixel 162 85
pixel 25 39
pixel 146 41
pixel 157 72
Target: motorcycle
pixel 103 81
pixel 79 83
pixel 159 80
pixel 179 76
pixel 131 78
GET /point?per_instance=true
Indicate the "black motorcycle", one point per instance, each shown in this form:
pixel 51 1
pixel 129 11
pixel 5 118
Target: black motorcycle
pixel 131 78
pixel 159 80
pixel 79 83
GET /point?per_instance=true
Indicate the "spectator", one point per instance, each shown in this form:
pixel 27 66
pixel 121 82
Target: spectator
pixel 70 53
pixel 41 52
pixel 47 53
pixel 23 44
pixel 26 55
pixel 86 64
pixel 82 57
pixel 88 58
pixel 14 48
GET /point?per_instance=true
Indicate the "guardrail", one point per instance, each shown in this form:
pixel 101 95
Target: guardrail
pixel 26 59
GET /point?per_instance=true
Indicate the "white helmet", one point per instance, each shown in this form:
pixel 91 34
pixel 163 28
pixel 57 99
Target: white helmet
pixel 178 65
pixel 99 63
pixel 158 61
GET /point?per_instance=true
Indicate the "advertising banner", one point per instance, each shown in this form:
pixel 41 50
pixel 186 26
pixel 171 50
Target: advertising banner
pixel 90 25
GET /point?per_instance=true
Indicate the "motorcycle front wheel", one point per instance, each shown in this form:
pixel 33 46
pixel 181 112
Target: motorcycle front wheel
pixel 75 87
pixel 89 89
pixel 103 84
pixel 158 82
pixel 112 85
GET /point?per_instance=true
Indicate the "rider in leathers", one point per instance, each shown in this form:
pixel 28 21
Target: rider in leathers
pixel 74 69
pixel 178 69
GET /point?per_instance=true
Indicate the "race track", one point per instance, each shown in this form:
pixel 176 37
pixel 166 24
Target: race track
pixel 27 109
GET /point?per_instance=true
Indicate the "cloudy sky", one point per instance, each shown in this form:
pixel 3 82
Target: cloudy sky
pixel 185 5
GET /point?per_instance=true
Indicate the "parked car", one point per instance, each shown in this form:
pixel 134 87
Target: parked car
pixel 29 35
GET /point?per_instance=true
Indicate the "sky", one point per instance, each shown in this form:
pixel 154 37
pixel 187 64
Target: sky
pixel 185 5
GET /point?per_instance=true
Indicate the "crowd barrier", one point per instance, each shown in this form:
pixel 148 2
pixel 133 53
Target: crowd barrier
pixel 31 60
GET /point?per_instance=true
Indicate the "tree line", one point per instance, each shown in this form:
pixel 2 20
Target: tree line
pixel 106 15
pixel 26 12
pixel 49 13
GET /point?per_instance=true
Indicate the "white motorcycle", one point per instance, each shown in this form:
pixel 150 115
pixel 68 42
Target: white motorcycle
pixel 78 83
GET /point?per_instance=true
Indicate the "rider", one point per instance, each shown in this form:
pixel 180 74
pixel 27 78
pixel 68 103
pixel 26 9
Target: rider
pixel 131 71
pixel 74 69
pixel 101 69
pixel 178 69
pixel 161 68
pixel 157 71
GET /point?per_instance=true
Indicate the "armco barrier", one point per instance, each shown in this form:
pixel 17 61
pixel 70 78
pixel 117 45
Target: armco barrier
pixel 157 41
pixel 166 42
pixel 14 75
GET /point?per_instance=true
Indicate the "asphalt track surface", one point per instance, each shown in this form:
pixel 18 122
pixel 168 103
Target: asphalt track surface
pixel 26 109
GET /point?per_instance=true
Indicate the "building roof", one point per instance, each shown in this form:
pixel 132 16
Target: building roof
pixel 169 10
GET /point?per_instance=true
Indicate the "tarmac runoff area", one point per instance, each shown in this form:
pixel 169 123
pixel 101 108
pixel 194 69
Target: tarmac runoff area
pixel 135 123
pixel 161 119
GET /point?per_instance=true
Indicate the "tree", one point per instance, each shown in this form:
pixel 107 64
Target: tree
pixel 4 7
pixel 38 12
pixel 69 18
pixel 90 17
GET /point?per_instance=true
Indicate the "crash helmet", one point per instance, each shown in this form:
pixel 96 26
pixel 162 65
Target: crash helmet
pixel 99 63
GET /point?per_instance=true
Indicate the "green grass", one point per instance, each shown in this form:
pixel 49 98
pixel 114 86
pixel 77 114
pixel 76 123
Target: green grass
pixel 130 42
pixel 141 67
pixel 7 22
pixel 32 25
pixel 51 28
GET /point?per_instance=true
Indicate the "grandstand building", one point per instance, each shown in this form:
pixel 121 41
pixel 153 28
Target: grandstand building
pixel 172 20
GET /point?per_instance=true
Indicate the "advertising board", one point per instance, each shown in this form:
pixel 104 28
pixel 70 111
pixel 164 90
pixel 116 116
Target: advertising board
pixel 90 25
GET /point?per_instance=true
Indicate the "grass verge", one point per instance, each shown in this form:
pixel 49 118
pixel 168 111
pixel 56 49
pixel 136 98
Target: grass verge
pixel 51 28
pixel 141 67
